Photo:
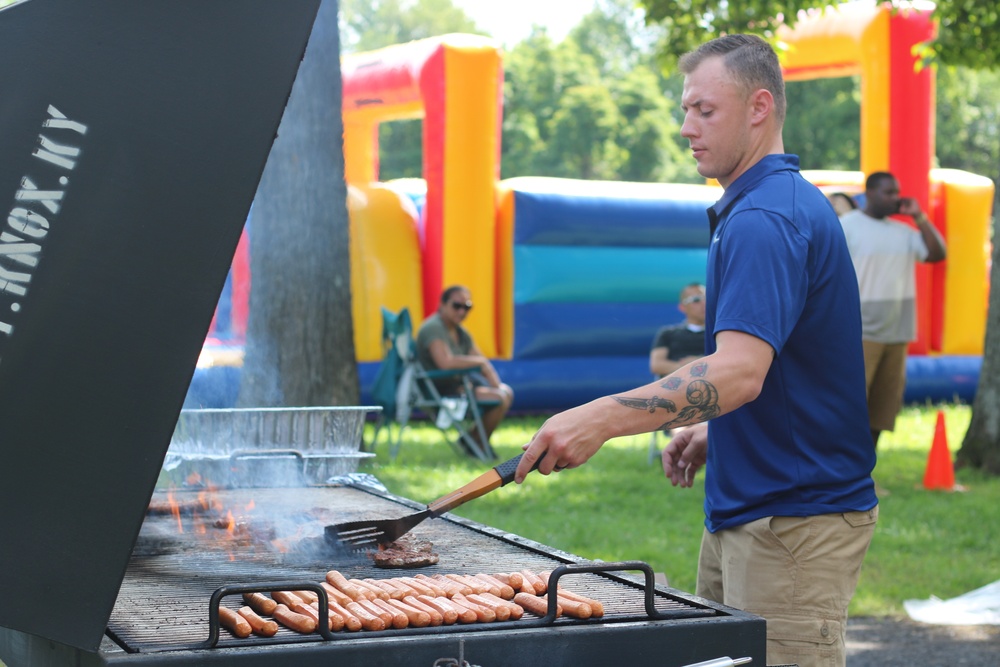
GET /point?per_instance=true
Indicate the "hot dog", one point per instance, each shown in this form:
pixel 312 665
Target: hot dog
pixel 512 579
pixel 443 605
pixel 287 598
pixel 308 596
pixel 369 621
pixel 483 614
pixel 437 618
pixel 575 608
pixel 372 590
pixel 451 587
pixel 312 612
pixel 399 619
pixel 377 611
pixel 260 603
pixel 596 607
pixel 499 607
pixel 260 626
pixel 436 588
pixel 406 589
pixel 335 578
pixel 536 605
pixel 336 621
pixel 233 622
pixel 516 612
pixel 535 581
pixel 417 618
pixel 477 585
pixel 334 594
pixel 420 587
pixel 390 590
pixel 293 620
pixel 497 587
pixel 351 622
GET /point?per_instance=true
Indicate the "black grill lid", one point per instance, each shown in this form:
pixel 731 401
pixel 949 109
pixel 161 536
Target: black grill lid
pixel 133 135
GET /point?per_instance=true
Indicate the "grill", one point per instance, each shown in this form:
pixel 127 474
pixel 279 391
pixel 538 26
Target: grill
pixel 184 563
pixel 127 188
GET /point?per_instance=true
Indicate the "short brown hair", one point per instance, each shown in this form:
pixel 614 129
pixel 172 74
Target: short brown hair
pixel 751 61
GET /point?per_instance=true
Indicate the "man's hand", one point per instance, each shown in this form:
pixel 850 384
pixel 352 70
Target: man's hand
pixel 565 440
pixel 910 206
pixel 686 452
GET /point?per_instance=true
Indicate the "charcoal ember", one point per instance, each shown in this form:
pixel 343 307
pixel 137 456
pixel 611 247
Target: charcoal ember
pixel 405 552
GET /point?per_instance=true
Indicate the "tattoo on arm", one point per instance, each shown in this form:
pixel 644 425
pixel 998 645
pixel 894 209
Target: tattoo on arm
pixel 704 404
pixel 672 382
pixel 650 404
pixel 702 398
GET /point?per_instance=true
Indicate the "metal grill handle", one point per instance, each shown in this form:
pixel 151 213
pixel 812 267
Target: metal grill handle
pixel 649 589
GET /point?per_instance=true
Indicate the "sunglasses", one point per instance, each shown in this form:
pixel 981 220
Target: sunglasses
pixel 458 305
pixel 697 298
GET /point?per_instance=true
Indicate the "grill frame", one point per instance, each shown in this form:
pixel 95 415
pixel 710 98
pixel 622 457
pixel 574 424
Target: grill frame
pixel 701 630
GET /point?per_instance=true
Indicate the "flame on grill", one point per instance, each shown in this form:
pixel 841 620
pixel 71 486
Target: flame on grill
pixel 218 523
pixel 175 509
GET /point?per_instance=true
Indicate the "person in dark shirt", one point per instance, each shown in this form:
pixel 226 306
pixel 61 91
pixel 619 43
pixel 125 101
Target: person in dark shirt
pixel 679 344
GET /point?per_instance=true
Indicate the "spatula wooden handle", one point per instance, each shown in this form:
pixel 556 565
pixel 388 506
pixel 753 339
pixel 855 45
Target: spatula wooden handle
pixel 500 475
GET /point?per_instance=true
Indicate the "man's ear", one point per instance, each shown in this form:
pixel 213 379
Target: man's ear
pixel 761 106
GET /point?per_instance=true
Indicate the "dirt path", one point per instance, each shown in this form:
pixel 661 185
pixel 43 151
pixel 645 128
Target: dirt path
pixel 886 642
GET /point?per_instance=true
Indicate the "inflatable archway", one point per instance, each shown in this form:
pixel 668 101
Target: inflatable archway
pixel 897 135
pixel 454 83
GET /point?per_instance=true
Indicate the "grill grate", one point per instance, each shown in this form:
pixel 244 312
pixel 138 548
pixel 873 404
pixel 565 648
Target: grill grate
pixel 164 598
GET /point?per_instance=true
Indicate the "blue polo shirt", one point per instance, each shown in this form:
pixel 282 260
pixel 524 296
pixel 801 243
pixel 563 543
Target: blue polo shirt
pixel 779 270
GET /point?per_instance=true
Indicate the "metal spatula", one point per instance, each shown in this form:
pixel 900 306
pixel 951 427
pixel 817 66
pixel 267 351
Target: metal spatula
pixel 368 534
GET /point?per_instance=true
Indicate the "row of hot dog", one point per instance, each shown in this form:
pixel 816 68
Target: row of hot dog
pixel 400 602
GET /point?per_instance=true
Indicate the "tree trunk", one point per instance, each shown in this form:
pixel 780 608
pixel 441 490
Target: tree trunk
pixel 981 446
pixel 300 339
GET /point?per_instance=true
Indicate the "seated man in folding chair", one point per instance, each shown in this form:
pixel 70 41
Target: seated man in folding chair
pixel 680 344
pixel 444 344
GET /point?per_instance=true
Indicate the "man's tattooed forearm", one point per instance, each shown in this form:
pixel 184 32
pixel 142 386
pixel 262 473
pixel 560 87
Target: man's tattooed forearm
pixel 702 398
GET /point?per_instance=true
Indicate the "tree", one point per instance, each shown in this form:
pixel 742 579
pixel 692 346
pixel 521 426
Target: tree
pixel 969 36
pixel 823 123
pixel 300 338
pixel 968 119
pixel 372 24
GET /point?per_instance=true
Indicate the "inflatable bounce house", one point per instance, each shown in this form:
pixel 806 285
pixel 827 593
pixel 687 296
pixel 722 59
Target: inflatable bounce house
pixel 572 279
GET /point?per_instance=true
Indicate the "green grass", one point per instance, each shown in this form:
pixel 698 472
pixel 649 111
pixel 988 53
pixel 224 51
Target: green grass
pixel 618 507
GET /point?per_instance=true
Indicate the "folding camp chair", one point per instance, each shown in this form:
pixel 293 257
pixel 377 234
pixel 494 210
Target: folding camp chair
pixel 404 388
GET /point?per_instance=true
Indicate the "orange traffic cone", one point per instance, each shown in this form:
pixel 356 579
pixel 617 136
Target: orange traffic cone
pixel 940 473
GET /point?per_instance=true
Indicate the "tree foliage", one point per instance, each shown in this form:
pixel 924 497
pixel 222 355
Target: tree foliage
pixel 823 123
pixel 366 25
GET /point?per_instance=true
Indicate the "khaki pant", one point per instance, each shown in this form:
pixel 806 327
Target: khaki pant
pixel 798 573
pixel 885 381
